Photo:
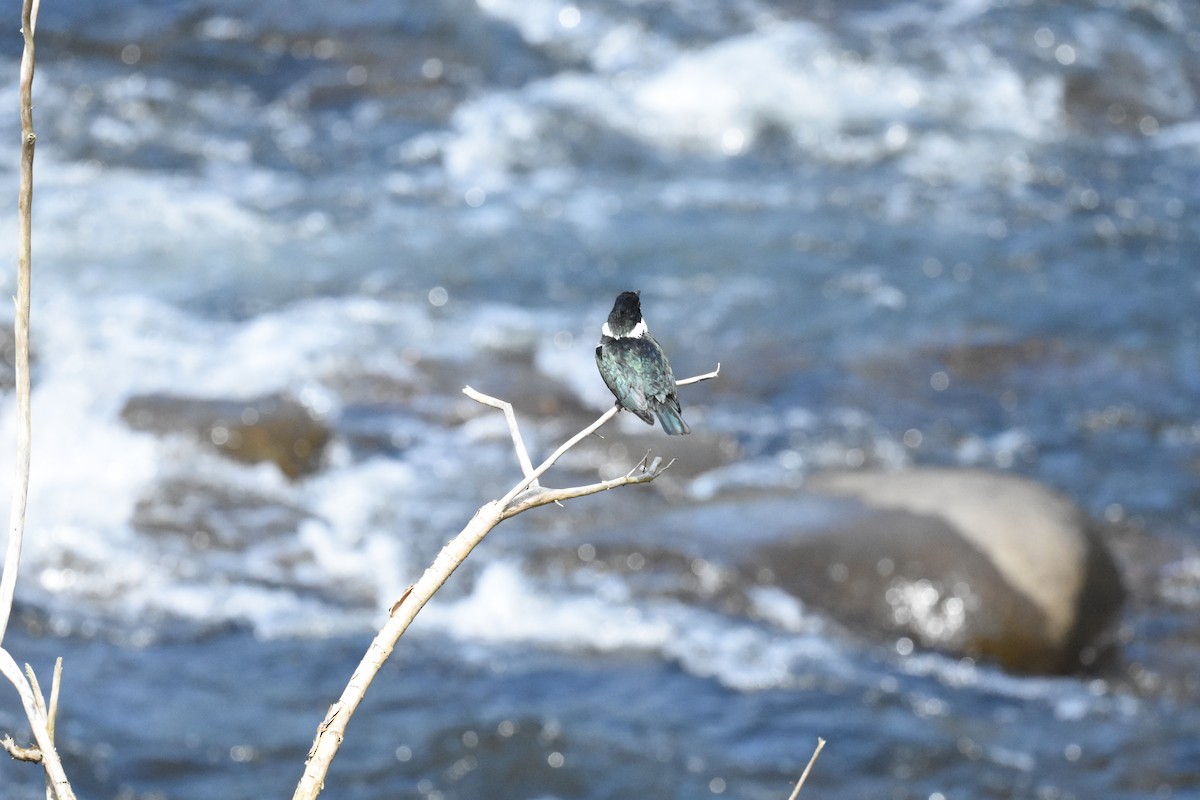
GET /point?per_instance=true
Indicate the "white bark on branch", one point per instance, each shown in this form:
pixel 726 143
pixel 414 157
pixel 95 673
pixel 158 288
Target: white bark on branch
pixel 708 376
pixel 525 495
pixel 808 769
pixel 41 716
pixel 510 417
pixel 20 492
pixel 39 720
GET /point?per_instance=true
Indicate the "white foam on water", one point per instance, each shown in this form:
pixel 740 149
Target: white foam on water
pixel 744 474
pixel 564 26
pixel 1184 135
pixel 571 358
pixel 1003 450
pixel 795 77
pixel 788 77
pixel 127 217
pixel 506 607
pixel 364 516
pixel 350 554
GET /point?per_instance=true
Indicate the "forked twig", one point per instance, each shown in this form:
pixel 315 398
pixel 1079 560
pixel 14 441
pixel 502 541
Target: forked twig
pixel 35 711
pixel 511 418
pixel 525 495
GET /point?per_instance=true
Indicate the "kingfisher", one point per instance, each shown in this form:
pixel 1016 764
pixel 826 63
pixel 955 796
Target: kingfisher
pixel 635 368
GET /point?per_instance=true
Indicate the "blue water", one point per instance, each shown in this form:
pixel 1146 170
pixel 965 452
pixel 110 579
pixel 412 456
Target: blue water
pixel 912 233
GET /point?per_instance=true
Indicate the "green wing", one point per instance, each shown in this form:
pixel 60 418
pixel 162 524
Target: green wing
pixel 662 388
pixel 637 373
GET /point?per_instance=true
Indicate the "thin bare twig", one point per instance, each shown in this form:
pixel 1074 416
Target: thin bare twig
pixel 511 418
pixel 38 698
pixel 20 492
pixel 697 378
pixel 557 454
pixel 644 474
pixel 808 769
pixel 522 497
pixel 52 715
pixel 35 711
pixel 30 754
pixel 531 474
pixel 26 685
pixel 56 683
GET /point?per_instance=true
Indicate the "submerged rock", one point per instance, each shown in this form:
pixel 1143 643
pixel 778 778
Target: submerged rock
pixel 275 428
pixel 970 563
pixel 210 516
pixel 983 564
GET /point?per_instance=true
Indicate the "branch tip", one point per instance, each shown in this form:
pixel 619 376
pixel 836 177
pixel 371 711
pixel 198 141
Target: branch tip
pixel 640 465
pixel 698 378
pixel 30 754
pixel 808 769
pixel 510 417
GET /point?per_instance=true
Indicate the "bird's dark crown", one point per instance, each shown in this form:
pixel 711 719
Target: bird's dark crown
pixel 626 314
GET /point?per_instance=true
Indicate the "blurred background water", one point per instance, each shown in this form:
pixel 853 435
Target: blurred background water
pixel 955 233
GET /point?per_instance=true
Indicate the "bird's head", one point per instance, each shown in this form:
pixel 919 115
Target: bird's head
pixel 625 319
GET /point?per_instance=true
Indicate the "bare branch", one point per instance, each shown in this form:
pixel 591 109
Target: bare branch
pixel 333 728
pixel 697 378
pixel 531 474
pixel 543 497
pixel 35 711
pixel 38 698
pixel 55 684
pixel 583 434
pixel 30 754
pixel 32 699
pixel 557 454
pixel 20 491
pixel 525 495
pixel 808 769
pixel 511 418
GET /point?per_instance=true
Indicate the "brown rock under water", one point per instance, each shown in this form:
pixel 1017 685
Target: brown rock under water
pixel 276 428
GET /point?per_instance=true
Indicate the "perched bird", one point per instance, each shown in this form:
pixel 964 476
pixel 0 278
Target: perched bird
pixel 635 368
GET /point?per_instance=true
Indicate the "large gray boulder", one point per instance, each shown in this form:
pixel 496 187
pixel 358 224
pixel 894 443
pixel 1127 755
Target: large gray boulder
pixel 974 564
pixel 984 564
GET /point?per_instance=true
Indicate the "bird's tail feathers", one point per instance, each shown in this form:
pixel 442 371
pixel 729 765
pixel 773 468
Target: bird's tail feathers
pixel 671 421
